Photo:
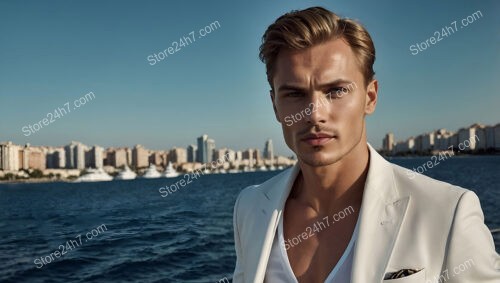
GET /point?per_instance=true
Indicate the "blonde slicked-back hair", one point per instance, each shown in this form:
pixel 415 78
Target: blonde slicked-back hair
pixel 298 30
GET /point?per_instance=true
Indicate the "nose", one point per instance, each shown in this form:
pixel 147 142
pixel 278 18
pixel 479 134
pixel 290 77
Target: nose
pixel 319 109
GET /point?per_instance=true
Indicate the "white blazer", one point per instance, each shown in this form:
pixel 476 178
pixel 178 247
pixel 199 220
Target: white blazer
pixel 418 223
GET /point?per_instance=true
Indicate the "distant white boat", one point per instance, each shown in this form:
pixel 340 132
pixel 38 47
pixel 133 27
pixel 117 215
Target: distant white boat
pixel 280 167
pixel 94 175
pixel 170 172
pixel 262 168
pixel 272 168
pixel 151 172
pixel 126 174
pixel 222 171
pixel 248 169
pixel 233 171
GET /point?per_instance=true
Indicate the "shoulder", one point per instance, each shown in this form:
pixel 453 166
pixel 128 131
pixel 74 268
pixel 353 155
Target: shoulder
pixel 267 192
pixel 424 188
pixel 246 197
pixel 269 189
pixel 435 205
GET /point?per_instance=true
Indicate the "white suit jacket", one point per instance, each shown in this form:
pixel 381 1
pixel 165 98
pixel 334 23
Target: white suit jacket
pixel 418 223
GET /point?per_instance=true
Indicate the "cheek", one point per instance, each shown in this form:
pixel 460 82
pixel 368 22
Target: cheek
pixel 288 135
pixel 289 109
pixel 349 113
pixel 290 128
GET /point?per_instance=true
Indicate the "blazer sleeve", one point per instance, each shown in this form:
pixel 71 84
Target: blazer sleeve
pixel 471 255
pixel 238 276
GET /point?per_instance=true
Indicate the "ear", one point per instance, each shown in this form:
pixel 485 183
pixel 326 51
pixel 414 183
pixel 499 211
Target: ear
pixel 271 94
pixel 371 97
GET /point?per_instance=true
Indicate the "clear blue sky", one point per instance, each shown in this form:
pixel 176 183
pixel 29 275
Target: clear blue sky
pixel 56 51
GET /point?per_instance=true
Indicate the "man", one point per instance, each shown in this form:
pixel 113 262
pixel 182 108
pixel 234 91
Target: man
pixel 343 213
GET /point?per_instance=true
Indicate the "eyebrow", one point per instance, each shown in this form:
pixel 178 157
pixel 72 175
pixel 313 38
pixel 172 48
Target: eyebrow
pixel 291 87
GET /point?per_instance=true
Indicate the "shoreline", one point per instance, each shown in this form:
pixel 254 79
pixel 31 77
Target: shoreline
pixel 409 156
pixel 32 180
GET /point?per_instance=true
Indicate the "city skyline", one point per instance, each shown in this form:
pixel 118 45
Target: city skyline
pixel 187 146
pixel 474 138
pixel 46 64
pixel 389 138
pixel 77 155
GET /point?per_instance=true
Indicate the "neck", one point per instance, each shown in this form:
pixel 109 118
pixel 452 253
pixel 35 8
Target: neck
pixel 328 189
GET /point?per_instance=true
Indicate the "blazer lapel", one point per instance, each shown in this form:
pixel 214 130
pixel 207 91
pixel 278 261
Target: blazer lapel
pixel 381 215
pixel 275 193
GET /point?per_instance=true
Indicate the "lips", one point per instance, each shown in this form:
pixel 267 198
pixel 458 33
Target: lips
pixel 317 139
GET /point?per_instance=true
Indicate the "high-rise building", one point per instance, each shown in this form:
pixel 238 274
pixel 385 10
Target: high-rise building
pixel 497 136
pixel 419 143
pixel 388 142
pixel 238 156
pixel 405 146
pixel 55 157
pixel 467 134
pixel 220 155
pixel 94 157
pixel 75 155
pixel 492 137
pixel 441 139
pixel 2 148
pixel 202 149
pixel 117 157
pixel 410 144
pixel 480 137
pixel 191 153
pixel 158 158
pixel 256 156
pixel 427 142
pixel 23 158
pixel 248 155
pixel 140 157
pixel 269 150
pixel 453 141
pixel 9 156
pixel 206 148
pixel 177 155
pixel 36 158
pixel 489 132
pixel 230 155
pixel 129 156
pixel 210 150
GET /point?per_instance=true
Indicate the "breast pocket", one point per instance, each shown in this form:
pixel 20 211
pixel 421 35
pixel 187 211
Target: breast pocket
pixel 418 277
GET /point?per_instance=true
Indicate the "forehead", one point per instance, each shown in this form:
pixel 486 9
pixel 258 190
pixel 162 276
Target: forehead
pixel 321 63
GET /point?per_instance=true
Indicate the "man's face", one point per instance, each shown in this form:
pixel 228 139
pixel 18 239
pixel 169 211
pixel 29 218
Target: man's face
pixel 321 101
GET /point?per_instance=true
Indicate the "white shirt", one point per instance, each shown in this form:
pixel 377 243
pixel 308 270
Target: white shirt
pixel 279 269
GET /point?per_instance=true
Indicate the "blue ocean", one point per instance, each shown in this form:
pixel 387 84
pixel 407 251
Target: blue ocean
pixel 125 231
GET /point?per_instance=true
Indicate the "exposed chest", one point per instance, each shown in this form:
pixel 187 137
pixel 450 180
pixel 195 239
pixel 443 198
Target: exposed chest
pixel 315 245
